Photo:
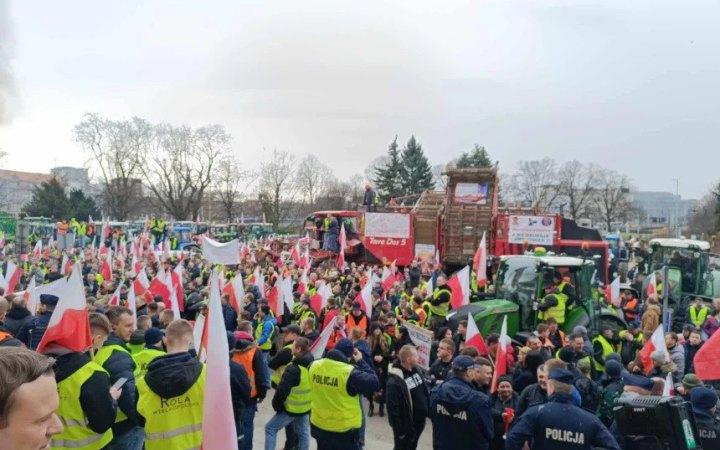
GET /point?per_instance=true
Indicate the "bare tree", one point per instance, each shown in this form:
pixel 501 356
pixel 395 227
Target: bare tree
pixel 612 197
pixel 578 183
pixel 230 183
pixel 441 181
pixel 312 177
pixel 181 166
pixel 116 157
pixel 534 184
pixel 278 190
pixel 375 164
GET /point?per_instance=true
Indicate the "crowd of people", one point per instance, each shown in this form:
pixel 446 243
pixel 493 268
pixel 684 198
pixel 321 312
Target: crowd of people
pixel 141 382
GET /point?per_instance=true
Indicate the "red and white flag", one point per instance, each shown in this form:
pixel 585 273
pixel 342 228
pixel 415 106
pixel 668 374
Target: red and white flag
pixel 136 265
pixel 364 297
pixel 389 277
pixel 286 292
pixel 159 287
pixel 480 264
pixel 105 231
pixel 132 305
pixel 342 242
pixel 198 331
pixel 258 280
pixel 236 292
pixel 318 347
pixel 303 282
pixel 31 300
pixel 320 298
pixel 106 266
pixel 668 389
pixel 67 265
pixel 656 342
pixel 219 431
pixel 501 355
pixel 460 288
pixel 274 299
pixel 115 298
pixel 473 338
pixel 69 327
pixel 613 292
pixel 12 275
pixel 652 285
pixel 141 283
pixel 295 254
pixel 706 359
pixel 177 284
pixel 37 250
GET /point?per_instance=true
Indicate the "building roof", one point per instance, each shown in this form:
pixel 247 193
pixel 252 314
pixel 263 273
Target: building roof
pixel 28 177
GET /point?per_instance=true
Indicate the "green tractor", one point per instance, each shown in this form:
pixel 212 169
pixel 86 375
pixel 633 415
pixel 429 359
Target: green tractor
pixel 523 279
pixel 690 271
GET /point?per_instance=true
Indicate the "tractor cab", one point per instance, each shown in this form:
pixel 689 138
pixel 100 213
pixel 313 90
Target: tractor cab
pixel 689 265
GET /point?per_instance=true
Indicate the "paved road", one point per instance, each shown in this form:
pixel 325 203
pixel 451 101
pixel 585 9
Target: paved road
pixel 378 435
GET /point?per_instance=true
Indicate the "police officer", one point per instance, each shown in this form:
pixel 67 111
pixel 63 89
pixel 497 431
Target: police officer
pixel 337 382
pixel 704 401
pixel 461 415
pixel 170 396
pixel 559 424
pixel 32 332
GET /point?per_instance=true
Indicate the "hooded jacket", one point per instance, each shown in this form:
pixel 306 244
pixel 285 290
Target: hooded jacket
pixel 290 379
pixel 401 409
pixel 530 396
pixel 461 417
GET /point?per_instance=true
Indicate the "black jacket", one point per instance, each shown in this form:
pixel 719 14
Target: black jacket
pixel 15 318
pixel 440 370
pixel 402 411
pixel 290 379
pixel 240 392
pixel 530 396
pixel 708 428
pixel 95 400
pixel 121 365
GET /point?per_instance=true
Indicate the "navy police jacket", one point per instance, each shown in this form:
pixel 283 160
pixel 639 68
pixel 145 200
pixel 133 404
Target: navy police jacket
pixel 559 425
pixel 461 417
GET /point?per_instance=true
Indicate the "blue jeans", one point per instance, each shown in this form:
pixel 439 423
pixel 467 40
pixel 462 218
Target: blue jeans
pixel 132 440
pixel 266 367
pixel 248 422
pixel 301 425
pixel 362 425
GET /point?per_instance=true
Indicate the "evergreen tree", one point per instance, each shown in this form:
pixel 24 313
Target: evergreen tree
pixel 48 200
pixel 478 157
pixel 416 173
pixel 388 179
pixel 80 206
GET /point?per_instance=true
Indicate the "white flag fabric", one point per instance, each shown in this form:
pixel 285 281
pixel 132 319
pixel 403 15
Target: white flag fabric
pixel 318 347
pixel 132 304
pixel 197 334
pixel 32 298
pixel 218 417
pixel 286 291
pixel 668 387
pixel 218 253
pixel 615 292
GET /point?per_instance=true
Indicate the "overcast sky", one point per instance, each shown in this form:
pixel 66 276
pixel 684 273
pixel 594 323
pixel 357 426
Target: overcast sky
pixel 633 86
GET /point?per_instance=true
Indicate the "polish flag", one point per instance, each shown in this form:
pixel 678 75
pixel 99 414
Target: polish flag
pixel 236 292
pixel 177 284
pixel 174 304
pixel 389 277
pixel 198 331
pixel 159 287
pixel 500 355
pixel 613 292
pixel 102 249
pixel 473 338
pixel 136 265
pixel 480 264
pixel 318 347
pixel 132 305
pixel 37 250
pixel 365 298
pixel 656 342
pixel 343 242
pixel 106 231
pixel 429 288
pixel 106 266
pixel 303 282
pixel 652 285
pixel 31 300
pixel 319 300
pixel 286 292
pixel 295 255
pixel 141 283
pixel 218 417
pixel 706 359
pixel 67 265
pixel 275 301
pixel 258 280
pixel 12 276
pixel 69 327
pixel 115 299
pixel 460 287
pixel 668 390
pixel 244 251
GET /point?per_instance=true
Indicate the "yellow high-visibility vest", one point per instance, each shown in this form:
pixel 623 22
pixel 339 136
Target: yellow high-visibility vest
pixel 332 408
pixel 299 401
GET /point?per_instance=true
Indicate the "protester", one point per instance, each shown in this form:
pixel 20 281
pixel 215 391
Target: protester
pixel 153 339
pixel 503 403
pixel 534 394
pixel 249 356
pixel 407 399
pixel 28 400
pixel 32 331
pixel 440 369
pixel 704 406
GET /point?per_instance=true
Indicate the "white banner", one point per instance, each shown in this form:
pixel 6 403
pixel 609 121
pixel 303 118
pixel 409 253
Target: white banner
pixel 389 225
pixel 537 230
pixel 422 339
pixel 217 253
